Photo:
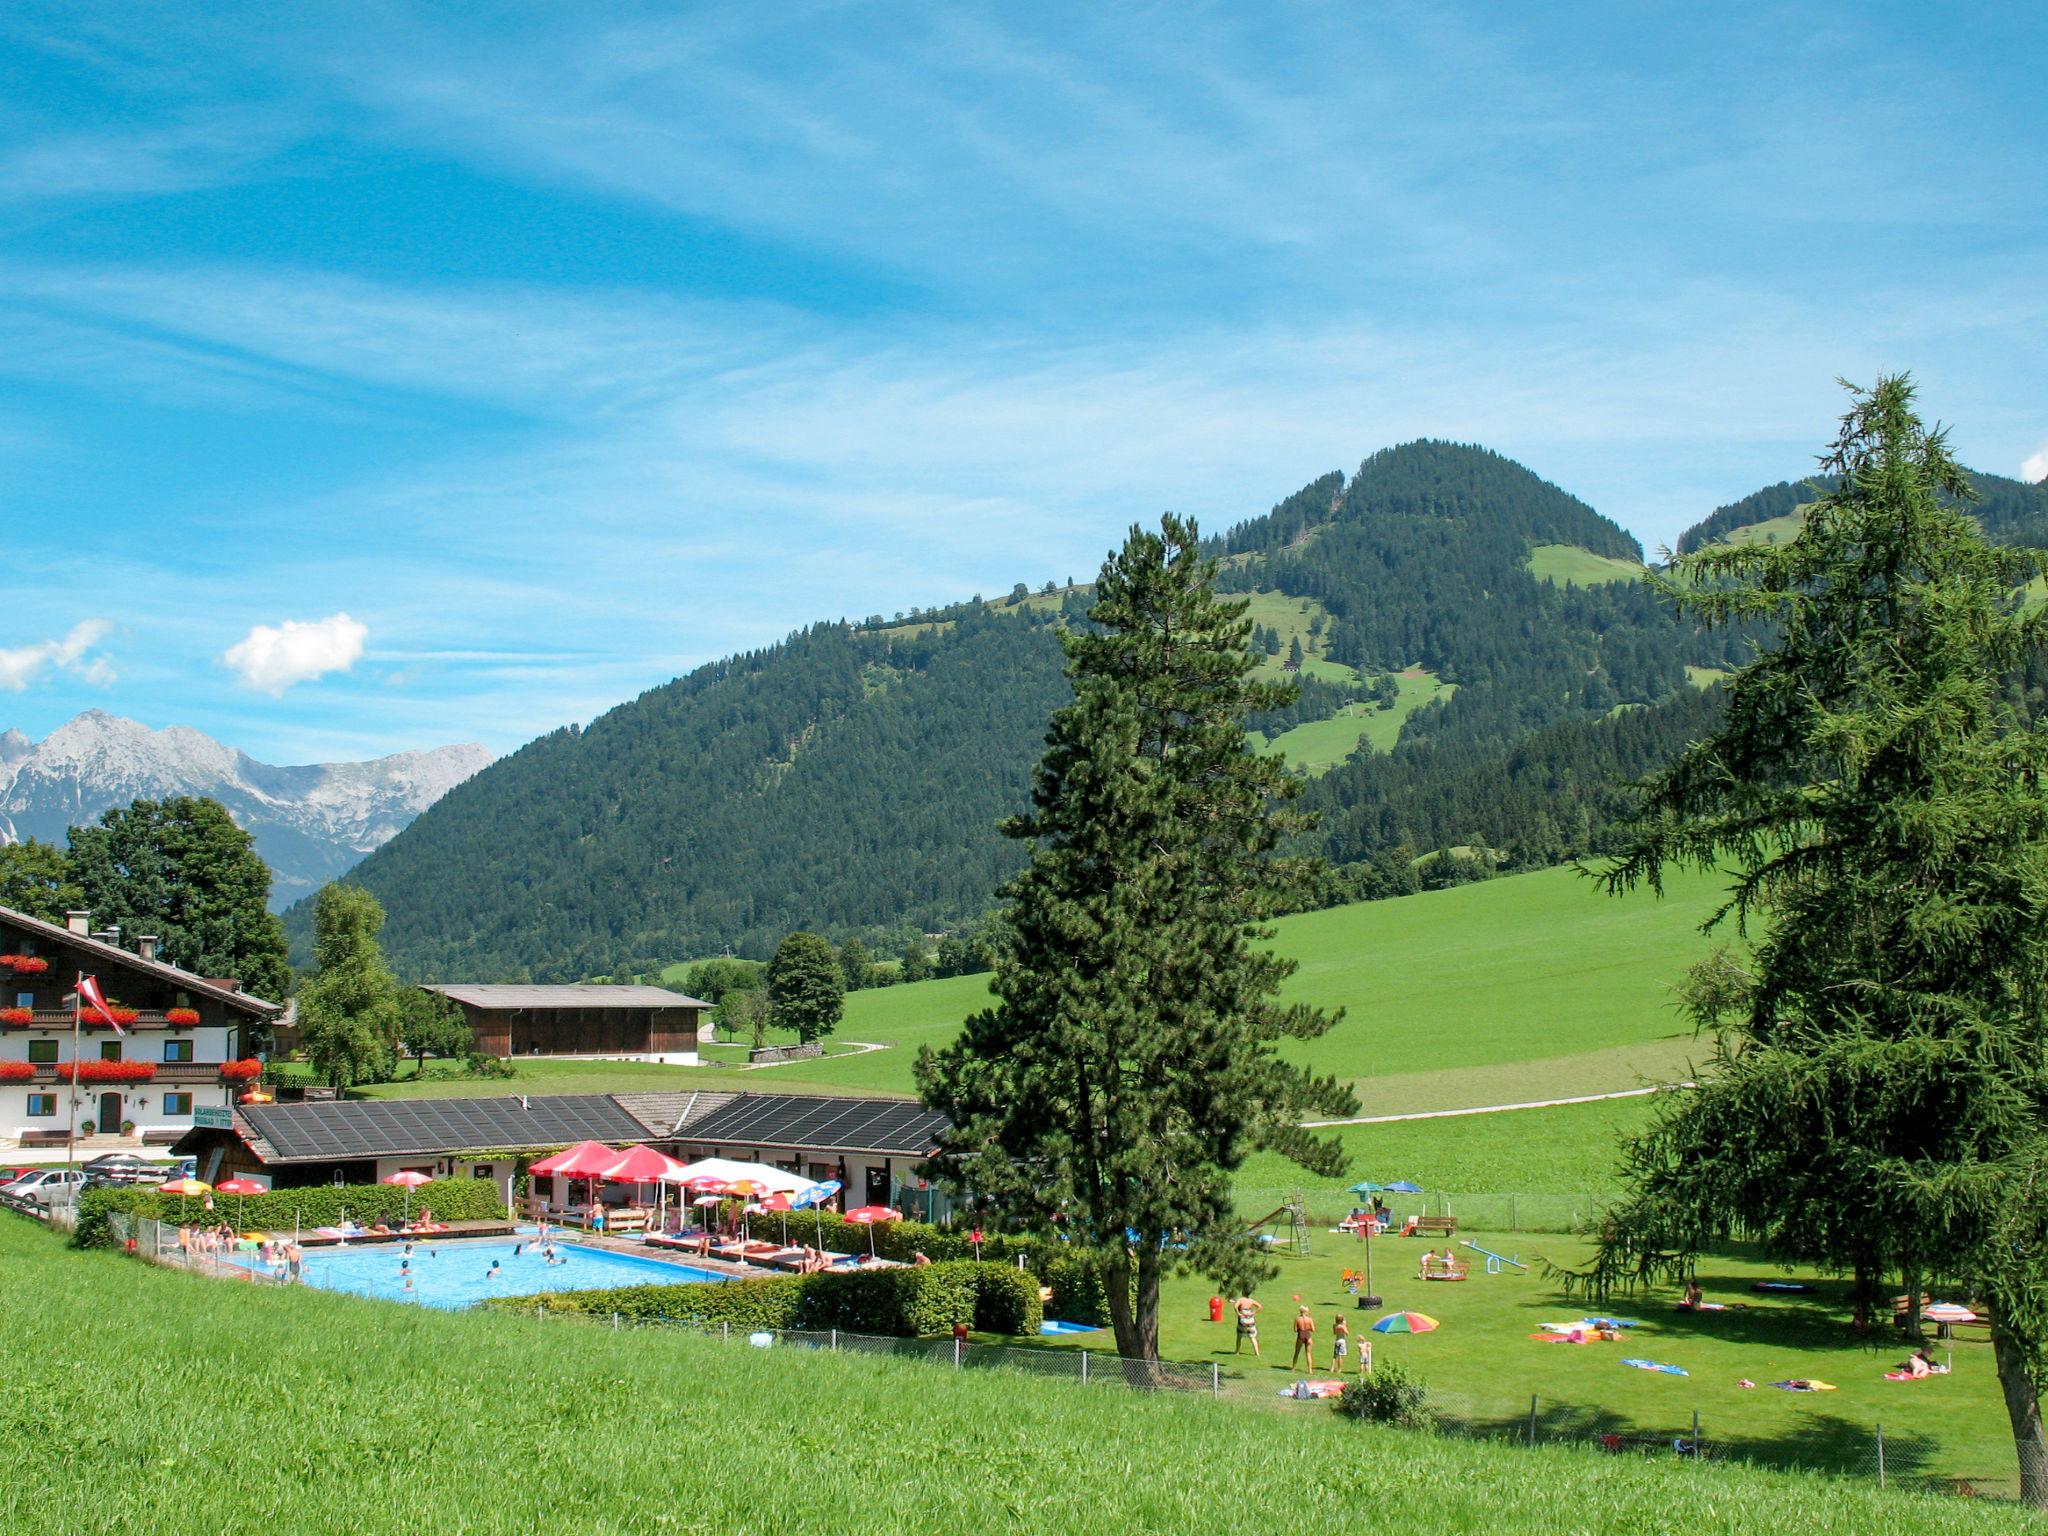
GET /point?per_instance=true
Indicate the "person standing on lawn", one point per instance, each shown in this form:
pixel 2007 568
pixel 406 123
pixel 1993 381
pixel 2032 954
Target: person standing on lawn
pixel 1248 1325
pixel 1304 1339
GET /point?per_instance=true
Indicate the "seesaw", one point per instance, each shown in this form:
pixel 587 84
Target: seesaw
pixel 1494 1261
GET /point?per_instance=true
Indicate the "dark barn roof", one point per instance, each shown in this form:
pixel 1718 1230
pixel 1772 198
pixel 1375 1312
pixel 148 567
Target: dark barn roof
pixel 351 1129
pixel 900 1127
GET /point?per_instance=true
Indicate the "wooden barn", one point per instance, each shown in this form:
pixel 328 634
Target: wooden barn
pixel 597 1021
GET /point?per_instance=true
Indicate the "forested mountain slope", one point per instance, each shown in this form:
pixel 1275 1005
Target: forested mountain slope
pixel 2010 510
pixel 851 778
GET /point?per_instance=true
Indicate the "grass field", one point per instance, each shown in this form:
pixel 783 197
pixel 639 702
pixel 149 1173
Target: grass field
pixel 1775 530
pixel 1321 745
pixel 1562 563
pixel 1705 677
pixel 1485 1365
pixel 230 1407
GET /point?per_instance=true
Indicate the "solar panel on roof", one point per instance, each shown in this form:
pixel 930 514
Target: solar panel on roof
pixel 800 1120
pixel 351 1129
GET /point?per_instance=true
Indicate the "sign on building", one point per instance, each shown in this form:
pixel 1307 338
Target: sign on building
pixel 213 1118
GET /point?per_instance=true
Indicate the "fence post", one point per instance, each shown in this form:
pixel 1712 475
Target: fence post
pixel 1532 1418
pixel 1514 1220
pixel 1695 1434
pixel 725 1331
pixel 956 1354
pixel 1084 1367
pixel 615 1322
pixel 1880 1453
pixel 835 1338
pixel 1215 1379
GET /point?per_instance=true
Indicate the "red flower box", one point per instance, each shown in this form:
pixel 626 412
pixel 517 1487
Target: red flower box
pixel 108 1071
pixel 17 1016
pixel 24 965
pixel 122 1016
pixel 17 1072
pixel 245 1071
pixel 182 1018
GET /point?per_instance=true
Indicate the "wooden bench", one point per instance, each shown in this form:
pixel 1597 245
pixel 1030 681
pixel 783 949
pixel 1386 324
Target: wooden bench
pixel 1435 1226
pixel 163 1138
pixel 43 1138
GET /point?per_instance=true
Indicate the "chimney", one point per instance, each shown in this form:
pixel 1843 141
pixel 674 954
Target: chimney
pixel 79 923
pixel 145 946
pixel 111 934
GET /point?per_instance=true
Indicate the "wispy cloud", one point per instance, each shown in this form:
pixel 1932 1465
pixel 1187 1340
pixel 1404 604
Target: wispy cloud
pixel 272 658
pixel 2034 467
pixel 74 656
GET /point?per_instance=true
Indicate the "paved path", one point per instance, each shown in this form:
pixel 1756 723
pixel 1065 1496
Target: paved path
pixel 1497 1109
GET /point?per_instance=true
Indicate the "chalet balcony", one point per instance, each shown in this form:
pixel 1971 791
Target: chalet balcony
pixel 171 1072
pixel 60 1018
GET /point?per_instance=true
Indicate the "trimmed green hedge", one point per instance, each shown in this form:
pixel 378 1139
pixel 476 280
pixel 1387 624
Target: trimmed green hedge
pixel 318 1205
pixel 905 1303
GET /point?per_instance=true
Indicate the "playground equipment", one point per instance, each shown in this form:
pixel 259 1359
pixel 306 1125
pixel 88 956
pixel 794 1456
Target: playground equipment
pixel 1494 1261
pixel 1295 1216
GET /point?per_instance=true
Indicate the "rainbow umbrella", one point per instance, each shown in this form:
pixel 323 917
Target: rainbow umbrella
pixel 1405 1322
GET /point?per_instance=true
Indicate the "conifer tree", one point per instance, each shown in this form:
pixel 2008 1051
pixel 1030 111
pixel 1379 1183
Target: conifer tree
pixel 1127 1067
pixel 1877 1102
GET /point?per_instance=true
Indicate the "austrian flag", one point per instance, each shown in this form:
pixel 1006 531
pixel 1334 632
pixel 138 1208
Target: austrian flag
pixel 91 1002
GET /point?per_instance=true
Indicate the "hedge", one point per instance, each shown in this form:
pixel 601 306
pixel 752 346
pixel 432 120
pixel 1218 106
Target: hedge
pixel 905 1303
pixel 317 1205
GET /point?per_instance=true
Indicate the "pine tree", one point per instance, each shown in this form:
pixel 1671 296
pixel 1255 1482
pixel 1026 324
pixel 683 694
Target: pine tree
pixel 1877 1101
pixel 348 1009
pixel 855 966
pixel 806 987
pixel 1127 1067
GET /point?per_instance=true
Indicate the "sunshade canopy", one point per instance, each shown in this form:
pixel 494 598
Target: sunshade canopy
pixel 585 1160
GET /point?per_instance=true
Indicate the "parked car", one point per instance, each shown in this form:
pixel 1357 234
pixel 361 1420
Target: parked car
pixel 42 1184
pixel 9 1175
pixel 118 1164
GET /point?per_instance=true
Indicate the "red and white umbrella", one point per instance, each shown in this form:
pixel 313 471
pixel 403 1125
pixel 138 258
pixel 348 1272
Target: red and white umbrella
pixel 241 1189
pixel 408 1179
pixel 868 1215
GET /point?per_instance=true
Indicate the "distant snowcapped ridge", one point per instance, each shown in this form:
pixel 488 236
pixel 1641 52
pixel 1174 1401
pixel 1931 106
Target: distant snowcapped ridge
pixel 311 822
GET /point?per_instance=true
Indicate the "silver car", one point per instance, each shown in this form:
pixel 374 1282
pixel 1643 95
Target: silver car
pixel 44 1185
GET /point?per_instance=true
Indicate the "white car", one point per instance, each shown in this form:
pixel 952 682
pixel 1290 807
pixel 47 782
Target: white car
pixel 41 1185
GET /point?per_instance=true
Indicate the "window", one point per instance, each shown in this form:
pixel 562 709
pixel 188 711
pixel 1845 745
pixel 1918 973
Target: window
pixel 24 999
pixel 42 1104
pixel 177 1050
pixel 177 1103
pixel 42 1052
pixel 110 1050
pixel 483 1171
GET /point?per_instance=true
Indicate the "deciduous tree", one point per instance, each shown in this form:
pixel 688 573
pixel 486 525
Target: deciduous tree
pixel 348 1010
pixel 1128 1065
pixel 36 878
pixel 806 987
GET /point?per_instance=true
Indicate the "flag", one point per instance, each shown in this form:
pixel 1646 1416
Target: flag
pixel 91 1001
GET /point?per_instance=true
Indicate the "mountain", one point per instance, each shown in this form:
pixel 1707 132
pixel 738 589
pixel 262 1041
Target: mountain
pixel 851 778
pixel 311 822
pixel 2011 511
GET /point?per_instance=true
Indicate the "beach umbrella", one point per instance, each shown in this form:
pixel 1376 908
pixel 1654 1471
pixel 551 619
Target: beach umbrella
pixel 1366 1187
pixel 258 1096
pixel 1404 1187
pixel 780 1204
pixel 183 1188
pixel 585 1160
pixel 1405 1322
pixel 409 1179
pixel 644 1165
pixel 241 1189
pixel 1948 1312
pixel 868 1215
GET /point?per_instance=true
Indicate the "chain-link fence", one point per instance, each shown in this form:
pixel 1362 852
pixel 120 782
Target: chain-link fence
pixel 1480 1211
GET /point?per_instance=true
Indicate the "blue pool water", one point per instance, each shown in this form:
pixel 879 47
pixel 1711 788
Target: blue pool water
pixel 458 1274
pixel 1049 1326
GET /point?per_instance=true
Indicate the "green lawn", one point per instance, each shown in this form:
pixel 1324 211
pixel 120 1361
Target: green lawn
pixel 1484 1365
pixel 216 1407
pixel 1775 530
pixel 1705 677
pixel 1562 563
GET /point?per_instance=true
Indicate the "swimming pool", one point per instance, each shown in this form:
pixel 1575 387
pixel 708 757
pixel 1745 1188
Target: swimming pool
pixel 458 1274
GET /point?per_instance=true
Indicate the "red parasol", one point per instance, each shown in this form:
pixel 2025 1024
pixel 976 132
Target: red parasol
pixel 868 1215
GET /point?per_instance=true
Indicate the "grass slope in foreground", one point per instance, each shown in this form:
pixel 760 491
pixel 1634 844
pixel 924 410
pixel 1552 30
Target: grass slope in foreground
pixel 222 1407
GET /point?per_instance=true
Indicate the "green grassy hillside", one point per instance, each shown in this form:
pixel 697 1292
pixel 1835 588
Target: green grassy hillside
pixel 226 1407
pixel 1561 563
pixel 1320 745
pixel 1530 987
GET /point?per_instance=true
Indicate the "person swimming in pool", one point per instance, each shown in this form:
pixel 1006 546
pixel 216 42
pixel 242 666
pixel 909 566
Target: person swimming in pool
pixel 495 1270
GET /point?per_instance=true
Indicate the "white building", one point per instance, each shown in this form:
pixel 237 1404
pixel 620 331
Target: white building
pixel 144 1085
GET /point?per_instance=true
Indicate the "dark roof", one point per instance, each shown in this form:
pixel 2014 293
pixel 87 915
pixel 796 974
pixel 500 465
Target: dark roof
pixel 113 954
pixel 575 994
pixel 902 1127
pixel 355 1128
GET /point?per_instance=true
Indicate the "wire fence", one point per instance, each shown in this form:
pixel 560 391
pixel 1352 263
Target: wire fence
pixel 1482 1211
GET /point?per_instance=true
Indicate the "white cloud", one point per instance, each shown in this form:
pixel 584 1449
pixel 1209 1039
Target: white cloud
pixel 2034 468
pixel 21 665
pixel 271 659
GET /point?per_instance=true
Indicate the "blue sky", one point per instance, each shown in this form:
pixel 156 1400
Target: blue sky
pixel 563 347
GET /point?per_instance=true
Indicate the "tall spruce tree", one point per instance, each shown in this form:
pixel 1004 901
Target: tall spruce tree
pixel 1878 1101
pixel 1127 1067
